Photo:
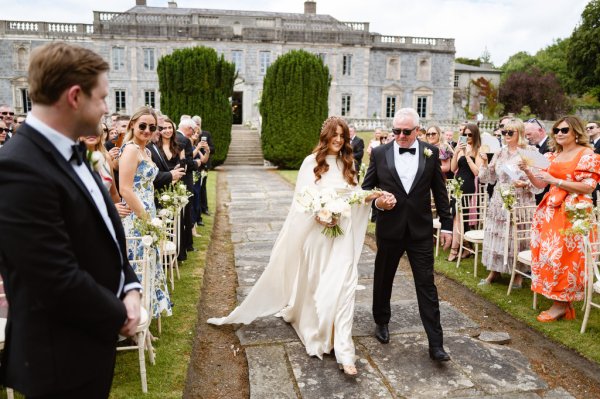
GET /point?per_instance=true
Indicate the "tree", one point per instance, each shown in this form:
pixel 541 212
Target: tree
pixel 196 81
pixel 519 62
pixel 554 59
pixel 486 89
pixel 293 107
pixel 584 49
pixel 541 92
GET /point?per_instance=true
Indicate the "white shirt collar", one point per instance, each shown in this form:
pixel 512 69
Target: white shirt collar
pixel 543 141
pixel 61 142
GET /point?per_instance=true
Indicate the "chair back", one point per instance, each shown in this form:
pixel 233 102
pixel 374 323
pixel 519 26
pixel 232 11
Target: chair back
pixel 471 210
pixel 521 218
pixel 140 264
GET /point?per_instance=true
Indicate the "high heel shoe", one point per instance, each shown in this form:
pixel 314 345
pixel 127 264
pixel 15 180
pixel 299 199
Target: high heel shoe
pixel 453 255
pixel 349 369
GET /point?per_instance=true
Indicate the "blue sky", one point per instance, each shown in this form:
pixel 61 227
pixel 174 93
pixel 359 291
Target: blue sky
pixel 503 26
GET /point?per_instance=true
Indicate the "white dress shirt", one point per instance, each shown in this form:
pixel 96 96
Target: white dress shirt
pixel 63 145
pixel 406 164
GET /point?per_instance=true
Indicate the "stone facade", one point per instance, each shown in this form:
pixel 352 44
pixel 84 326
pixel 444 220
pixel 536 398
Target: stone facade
pixel 465 93
pixel 372 74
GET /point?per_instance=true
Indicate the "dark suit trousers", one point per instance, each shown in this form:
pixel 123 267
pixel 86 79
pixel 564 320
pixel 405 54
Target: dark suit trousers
pixel 203 197
pixel 420 256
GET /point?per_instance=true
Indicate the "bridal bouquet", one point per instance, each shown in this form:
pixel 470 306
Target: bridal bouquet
pixel 329 206
pixel 580 216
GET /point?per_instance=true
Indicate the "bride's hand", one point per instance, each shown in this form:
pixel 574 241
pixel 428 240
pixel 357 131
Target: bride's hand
pixel 322 223
pixel 374 195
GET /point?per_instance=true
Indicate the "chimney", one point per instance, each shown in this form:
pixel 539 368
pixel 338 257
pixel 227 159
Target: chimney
pixel 140 2
pixel 310 7
pixel 172 4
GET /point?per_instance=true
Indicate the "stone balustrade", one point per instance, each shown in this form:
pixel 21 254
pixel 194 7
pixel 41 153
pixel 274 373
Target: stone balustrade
pixel 370 124
pixel 45 29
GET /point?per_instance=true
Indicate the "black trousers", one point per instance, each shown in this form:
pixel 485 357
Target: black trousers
pixel 420 256
pixel 187 239
pixel 203 198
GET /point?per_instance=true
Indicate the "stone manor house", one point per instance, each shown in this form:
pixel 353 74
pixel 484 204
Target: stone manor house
pixel 372 74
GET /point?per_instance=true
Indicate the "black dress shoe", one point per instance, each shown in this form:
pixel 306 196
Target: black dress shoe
pixel 200 223
pixel 438 354
pixel 382 333
pixel 207 213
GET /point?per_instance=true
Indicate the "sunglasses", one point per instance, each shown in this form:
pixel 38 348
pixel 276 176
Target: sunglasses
pixel 405 132
pixel 534 120
pixel 430 134
pixel 563 130
pixel 142 126
pixel 7 113
pixel 4 129
pixel 467 134
pixel 509 132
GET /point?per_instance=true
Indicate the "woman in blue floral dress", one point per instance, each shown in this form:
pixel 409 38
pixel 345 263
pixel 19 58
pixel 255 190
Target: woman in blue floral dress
pixel 136 174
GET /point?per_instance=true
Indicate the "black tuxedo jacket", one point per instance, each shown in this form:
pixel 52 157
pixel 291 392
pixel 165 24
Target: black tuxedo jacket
pixel 411 217
pixel 164 176
pixel 189 162
pixel 542 149
pixel 597 147
pixel 358 150
pixel 61 269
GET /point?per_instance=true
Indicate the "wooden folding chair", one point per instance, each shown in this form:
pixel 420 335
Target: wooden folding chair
pixel 168 250
pixel 471 210
pixel 592 283
pixel 521 219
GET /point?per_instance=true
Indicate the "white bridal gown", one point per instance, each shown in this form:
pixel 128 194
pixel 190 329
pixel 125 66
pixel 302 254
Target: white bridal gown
pixel 311 279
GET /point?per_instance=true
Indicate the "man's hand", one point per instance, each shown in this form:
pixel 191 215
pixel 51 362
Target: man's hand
pixel 386 202
pixel 132 305
pixel 445 239
pixel 177 174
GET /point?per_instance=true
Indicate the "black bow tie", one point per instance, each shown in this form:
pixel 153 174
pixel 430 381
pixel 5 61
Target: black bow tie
pixel 79 151
pixel 538 146
pixel 413 151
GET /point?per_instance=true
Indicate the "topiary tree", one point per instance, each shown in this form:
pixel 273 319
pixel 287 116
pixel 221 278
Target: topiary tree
pixel 293 107
pixel 196 81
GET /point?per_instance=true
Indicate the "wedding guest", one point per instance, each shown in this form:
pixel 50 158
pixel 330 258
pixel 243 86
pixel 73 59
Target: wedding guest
pixel 422 134
pixel 405 224
pixel 375 141
pixel 70 288
pixel 8 114
pixel 3 132
pixel 19 120
pixel 309 280
pixel 449 136
pixel 137 173
pixel 358 147
pixel 166 174
pixel 536 134
pixel 434 137
pixel 503 171
pixel 465 164
pixel 204 167
pixel 558 260
pixel 201 153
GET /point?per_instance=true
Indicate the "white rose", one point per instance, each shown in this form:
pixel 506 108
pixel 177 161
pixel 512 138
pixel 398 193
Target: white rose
pixel 165 197
pixel 147 241
pixel 170 246
pixel 184 200
pixel 156 222
pixel 163 212
pixel 324 215
pixel 582 205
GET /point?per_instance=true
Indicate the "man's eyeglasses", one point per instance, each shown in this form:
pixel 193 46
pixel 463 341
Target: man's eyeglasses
pixel 467 134
pixel 7 113
pixel 563 130
pixel 509 132
pixel 142 126
pixel 501 126
pixel 534 120
pixel 430 134
pixel 405 132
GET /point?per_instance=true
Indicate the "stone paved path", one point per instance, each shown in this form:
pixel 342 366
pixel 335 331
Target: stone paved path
pixel 279 366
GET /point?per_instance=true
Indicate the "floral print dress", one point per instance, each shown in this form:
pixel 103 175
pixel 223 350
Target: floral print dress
pixel 558 260
pixel 144 189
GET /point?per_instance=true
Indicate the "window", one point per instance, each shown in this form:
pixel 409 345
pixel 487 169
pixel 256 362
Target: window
pixel 22 59
pixel 390 106
pixel 149 98
pixel 25 100
pixel 424 69
pixel 237 57
pixel 456 79
pixel 264 58
pixel 118 58
pixel 119 100
pixel 345 104
pixel 422 107
pixel 393 69
pixel 149 59
pixel 347 65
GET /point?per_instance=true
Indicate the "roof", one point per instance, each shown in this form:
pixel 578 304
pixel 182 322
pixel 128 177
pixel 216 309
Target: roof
pixel 458 67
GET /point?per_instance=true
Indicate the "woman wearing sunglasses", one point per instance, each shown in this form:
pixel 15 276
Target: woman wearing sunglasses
pixel 3 132
pixel 434 137
pixel 465 164
pixel 504 171
pixel 136 177
pixel 557 259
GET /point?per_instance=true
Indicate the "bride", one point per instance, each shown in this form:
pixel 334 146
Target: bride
pixel 311 279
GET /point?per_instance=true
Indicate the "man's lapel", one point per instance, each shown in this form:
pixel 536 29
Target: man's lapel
pixel 421 154
pixel 389 158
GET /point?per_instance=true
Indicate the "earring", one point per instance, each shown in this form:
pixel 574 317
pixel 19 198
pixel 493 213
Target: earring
pixel 576 140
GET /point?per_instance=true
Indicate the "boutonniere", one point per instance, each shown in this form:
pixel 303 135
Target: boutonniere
pixel 95 159
pixel 427 152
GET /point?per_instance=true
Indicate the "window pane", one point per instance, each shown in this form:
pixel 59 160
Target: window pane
pixel 345 105
pixel 118 58
pixel 265 61
pixel 347 65
pixel 149 59
pixel 119 100
pixel 149 98
pixel 456 78
pixel 26 100
pixel 390 107
pixel 422 106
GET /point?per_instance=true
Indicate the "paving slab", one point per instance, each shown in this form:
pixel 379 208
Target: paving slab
pixel 266 330
pixel 321 379
pixel 268 373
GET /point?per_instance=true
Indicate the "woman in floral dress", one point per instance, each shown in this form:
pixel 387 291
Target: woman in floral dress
pixel 136 174
pixel 558 259
pixel 499 171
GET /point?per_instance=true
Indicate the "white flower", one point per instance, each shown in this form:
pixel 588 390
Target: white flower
pixel 156 222
pixel 325 215
pixel 164 212
pixel 170 246
pixel 427 152
pixel 184 200
pixel 147 240
pixel 165 197
pixel 583 205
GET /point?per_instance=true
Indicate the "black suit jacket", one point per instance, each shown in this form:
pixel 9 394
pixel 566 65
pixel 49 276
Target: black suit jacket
pixel 190 164
pixel 164 176
pixel 412 214
pixel 358 150
pixel 61 269
pixel 211 145
pixel 542 149
pixel 597 146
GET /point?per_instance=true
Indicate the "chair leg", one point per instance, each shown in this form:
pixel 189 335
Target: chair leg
pixel 512 278
pixel 476 258
pixel 588 306
pixel 142 359
pixel 150 349
pixel 159 324
pixel 10 394
pixel 535 300
pixel 460 251
pixel 176 263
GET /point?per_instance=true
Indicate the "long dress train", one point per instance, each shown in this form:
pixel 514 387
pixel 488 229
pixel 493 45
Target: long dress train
pixel 311 279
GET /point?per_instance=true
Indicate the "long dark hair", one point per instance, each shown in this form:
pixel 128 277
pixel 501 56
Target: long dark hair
pixel 328 130
pixel 173 146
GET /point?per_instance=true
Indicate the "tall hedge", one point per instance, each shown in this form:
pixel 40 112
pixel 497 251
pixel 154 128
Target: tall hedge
pixel 293 107
pixel 196 81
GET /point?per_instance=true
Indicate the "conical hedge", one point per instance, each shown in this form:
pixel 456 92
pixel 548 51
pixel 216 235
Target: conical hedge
pixel 293 107
pixel 196 81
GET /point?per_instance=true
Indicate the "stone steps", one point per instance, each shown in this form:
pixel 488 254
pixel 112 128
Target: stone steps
pixel 245 148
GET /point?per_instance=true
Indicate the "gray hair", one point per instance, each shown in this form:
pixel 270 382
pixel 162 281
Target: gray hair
pixel 404 113
pixel 187 123
pixel 197 119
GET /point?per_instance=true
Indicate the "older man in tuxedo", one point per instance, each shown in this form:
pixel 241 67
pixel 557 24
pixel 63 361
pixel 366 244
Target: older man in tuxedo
pixel 410 171
pixel 70 288
pixel 535 133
